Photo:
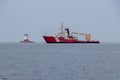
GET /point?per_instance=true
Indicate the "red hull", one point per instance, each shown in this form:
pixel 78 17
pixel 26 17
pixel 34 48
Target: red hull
pixel 52 39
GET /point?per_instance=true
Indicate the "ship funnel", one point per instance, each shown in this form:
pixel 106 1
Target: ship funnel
pixel 68 32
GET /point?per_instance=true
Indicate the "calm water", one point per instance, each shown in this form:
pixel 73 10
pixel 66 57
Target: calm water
pixel 42 61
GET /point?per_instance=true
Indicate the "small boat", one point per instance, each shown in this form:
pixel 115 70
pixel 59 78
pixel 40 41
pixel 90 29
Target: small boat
pixel 64 36
pixel 26 40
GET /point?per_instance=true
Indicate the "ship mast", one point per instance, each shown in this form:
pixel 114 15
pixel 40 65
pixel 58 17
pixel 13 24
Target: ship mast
pixel 62 28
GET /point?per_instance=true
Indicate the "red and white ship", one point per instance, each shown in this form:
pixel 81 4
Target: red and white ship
pixel 26 40
pixel 64 36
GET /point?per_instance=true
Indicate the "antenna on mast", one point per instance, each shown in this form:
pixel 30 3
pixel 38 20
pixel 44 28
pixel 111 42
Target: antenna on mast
pixel 62 27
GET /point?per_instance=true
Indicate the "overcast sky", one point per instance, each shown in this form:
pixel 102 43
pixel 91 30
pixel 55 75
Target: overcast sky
pixel 100 18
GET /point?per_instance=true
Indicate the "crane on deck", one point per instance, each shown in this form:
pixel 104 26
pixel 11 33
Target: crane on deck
pixel 87 36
